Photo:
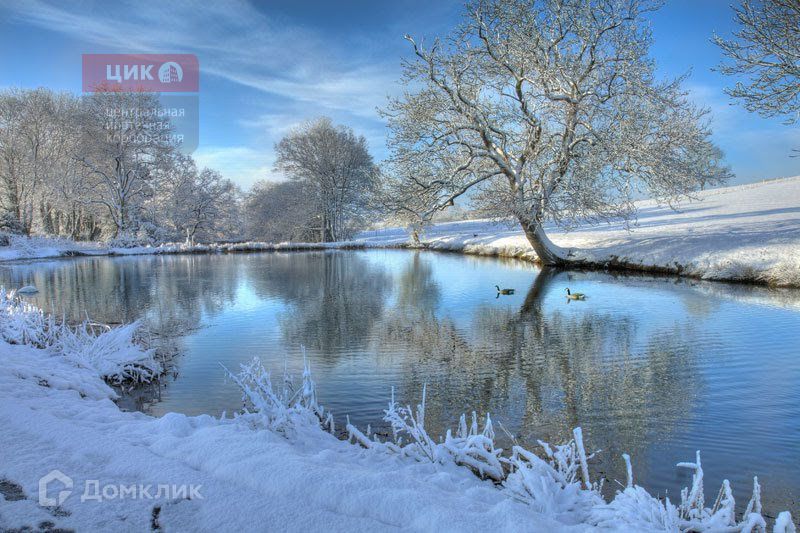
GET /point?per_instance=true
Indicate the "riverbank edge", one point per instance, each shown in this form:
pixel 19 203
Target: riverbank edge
pixel 743 274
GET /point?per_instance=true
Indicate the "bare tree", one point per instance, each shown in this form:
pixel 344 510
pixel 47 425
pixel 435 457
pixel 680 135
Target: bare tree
pixel 204 201
pixel 76 166
pixel 337 169
pixel 545 110
pixel 13 177
pixel 124 140
pixel 281 211
pixel 766 50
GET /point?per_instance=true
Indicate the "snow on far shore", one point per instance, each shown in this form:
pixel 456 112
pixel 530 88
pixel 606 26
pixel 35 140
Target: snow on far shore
pixel 741 233
pixel 747 233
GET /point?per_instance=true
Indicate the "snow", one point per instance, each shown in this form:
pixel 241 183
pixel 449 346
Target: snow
pixel 111 352
pixel 274 467
pixel 249 478
pixel 741 233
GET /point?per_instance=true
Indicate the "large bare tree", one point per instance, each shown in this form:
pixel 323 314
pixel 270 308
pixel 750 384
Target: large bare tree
pixel 337 169
pixel 766 51
pixel 125 141
pixel 545 110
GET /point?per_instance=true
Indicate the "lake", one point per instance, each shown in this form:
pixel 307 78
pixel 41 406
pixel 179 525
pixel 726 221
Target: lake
pixel 657 367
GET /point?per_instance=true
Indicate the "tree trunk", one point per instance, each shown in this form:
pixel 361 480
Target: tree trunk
pixel 549 254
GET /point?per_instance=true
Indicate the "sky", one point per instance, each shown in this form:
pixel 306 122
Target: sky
pixel 268 67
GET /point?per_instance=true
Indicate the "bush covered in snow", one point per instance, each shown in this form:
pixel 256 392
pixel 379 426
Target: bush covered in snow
pixel 555 482
pixel 285 410
pixel 112 352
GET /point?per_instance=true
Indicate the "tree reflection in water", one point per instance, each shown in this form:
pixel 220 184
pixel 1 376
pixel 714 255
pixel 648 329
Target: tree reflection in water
pixel 333 299
pixel 541 372
pixel 643 365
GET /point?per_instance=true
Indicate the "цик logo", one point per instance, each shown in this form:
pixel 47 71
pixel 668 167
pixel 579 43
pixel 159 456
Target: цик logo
pixel 170 72
pixel 158 73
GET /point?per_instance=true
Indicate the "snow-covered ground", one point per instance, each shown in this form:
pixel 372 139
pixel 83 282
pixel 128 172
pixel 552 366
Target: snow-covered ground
pixel 741 233
pixel 39 247
pixel 275 468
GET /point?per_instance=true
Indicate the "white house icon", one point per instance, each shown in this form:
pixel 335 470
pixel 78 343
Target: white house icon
pixel 54 475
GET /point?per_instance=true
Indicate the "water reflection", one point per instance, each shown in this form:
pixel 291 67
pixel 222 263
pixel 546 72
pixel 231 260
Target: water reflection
pixel 650 366
pixel 334 304
pixel 542 371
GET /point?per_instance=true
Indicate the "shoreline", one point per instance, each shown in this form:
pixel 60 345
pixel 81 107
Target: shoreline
pixel 740 234
pixel 614 264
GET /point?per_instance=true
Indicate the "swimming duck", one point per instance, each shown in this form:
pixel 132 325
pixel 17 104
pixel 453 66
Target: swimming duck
pixel 27 289
pixel 575 295
pixel 504 291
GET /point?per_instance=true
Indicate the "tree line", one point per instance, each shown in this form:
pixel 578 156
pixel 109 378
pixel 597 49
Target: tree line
pixel 537 112
pixel 107 166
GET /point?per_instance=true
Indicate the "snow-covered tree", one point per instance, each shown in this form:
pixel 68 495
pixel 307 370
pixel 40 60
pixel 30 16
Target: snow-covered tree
pixel 124 142
pixel 337 170
pixel 36 140
pixel 104 165
pixel 765 51
pixel 545 110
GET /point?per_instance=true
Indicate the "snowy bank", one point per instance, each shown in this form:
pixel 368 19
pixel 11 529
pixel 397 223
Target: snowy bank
pixel 21 248
pixel 274 467
pixel 748 233
pixel 744 233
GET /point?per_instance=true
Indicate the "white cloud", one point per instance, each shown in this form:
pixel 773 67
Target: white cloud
pixel 234 41
pixel 242 164
pixel 755 148
pixel 299 73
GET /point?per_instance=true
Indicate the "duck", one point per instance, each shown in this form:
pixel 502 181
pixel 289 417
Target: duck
pixel 504 291
pixel 27 289
pixel 575 295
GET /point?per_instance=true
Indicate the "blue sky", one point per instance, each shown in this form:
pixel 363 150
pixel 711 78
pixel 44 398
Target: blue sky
pixel 267 67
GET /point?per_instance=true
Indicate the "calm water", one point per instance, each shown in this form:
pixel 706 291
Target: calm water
pixel 655 367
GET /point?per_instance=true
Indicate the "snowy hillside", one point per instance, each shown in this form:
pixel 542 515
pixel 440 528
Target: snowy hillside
pixel 742 233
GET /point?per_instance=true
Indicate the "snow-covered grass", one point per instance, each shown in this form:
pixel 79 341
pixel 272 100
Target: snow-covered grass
pixel 743 233
pixel 556 482
pixel 274 466
pixel 110 352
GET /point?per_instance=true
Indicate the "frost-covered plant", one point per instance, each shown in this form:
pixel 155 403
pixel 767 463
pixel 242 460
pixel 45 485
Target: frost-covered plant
pixel 283 411
pixel 636 509
pixel 556 483
pixel 112 352
pixel 468 447
pixel 23 323
pixel 475 449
